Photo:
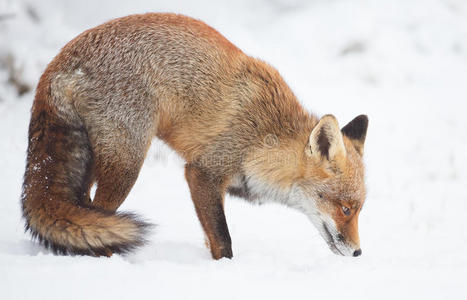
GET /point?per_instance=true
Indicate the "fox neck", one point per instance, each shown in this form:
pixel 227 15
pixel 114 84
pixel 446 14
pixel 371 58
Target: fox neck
pixel 274 165
pixel 260 191
pixel 273 171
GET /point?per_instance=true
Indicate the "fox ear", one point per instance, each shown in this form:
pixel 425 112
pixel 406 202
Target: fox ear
pixel 326 139
pixel 356 132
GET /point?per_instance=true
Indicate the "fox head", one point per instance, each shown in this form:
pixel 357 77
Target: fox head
pixel 332 190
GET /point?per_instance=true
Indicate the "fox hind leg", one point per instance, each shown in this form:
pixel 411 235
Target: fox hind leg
pixel 114 185
pixel 116 174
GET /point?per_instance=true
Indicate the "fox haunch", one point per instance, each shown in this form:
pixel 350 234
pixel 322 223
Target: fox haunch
pixel 58 177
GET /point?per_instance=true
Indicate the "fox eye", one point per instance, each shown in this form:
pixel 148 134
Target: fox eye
pixel 346 210
pixel 320 195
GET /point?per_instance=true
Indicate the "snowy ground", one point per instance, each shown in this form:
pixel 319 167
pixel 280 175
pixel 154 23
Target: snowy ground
pixel 404 63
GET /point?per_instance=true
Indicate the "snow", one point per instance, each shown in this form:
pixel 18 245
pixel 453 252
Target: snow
pixel 404 63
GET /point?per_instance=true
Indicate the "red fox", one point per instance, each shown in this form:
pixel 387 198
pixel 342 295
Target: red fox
pixel 231 117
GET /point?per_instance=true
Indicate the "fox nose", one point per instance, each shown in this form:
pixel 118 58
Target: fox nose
pixel 357 252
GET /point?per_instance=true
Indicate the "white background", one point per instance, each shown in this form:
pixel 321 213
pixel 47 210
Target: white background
pixel 404 63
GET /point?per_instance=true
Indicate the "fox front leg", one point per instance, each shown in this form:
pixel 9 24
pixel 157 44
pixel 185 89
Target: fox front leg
pixel 207 194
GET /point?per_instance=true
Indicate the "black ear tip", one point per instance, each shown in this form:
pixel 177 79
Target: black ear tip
pixel 360 122
pixel 356 129
pixel 362 119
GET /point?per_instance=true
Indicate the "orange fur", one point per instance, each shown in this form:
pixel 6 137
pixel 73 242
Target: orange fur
pixel 234 120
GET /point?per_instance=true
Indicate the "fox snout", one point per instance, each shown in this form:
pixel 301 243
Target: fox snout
pixel 357 252
pixel 340 242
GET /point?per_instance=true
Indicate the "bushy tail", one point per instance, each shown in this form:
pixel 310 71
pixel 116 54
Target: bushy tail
pixel 56 182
